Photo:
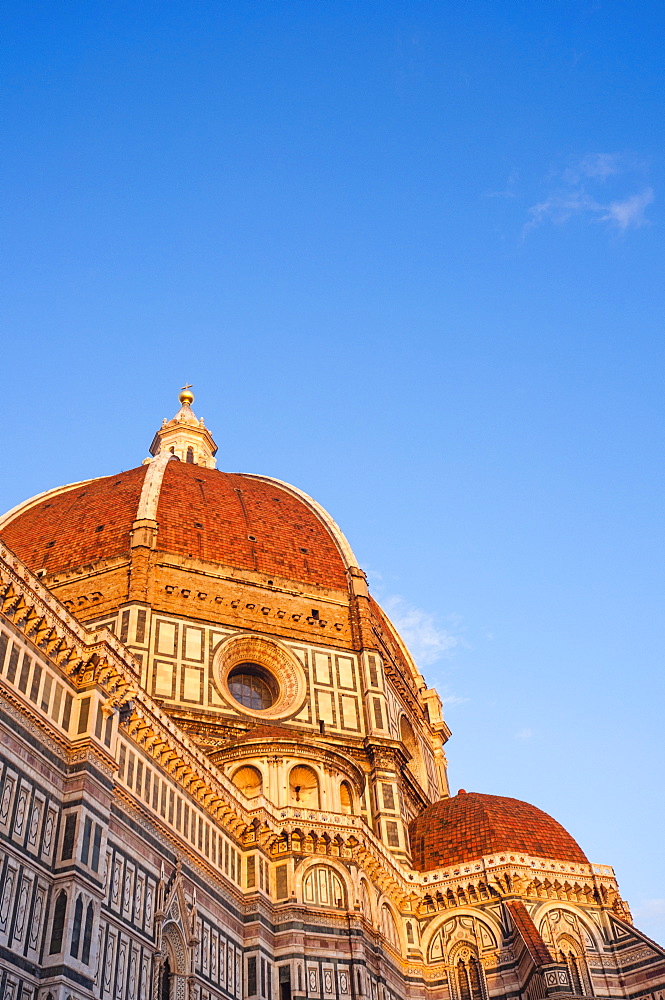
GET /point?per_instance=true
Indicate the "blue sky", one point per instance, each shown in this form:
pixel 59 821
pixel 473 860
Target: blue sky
pixel 411 257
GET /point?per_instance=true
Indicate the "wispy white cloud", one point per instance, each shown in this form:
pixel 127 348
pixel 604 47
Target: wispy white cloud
pixel 561 207
pixel 524 734
pixel 589 187
pixel 598 166
pixel 427 640
pixel 630 211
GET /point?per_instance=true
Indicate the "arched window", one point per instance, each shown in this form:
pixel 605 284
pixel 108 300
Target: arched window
pixel 577 971
pixel 58 926
pixel 469 979
pixel 304 787
pixel 365 902
pixel 190 456
pixel 322 886
pixel 346 797
pixel 87 933
pixel 248 780
pixel 165 984
pixel 389 927
pixel 569 960
pixel 76 928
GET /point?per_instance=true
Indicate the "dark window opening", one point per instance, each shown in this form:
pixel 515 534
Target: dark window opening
pixel 468 980
pixel 87 934
pixel 87 833
pixel 315 613
pixel 36 681
pixel 58 923
pixel 13 663
pixel 253 686
pixel 68 837
pixel 284 982
pixel 281 883
pixel 251 976
pixel 190 456
pixel 83 715
pixel 165 984
pixel 25 673
pixel 96 845
pixel 67 712
pixel 140 626
pixel 124 626
pixel 76 929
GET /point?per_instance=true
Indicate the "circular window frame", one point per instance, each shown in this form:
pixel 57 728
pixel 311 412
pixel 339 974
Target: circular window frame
pixel 272 657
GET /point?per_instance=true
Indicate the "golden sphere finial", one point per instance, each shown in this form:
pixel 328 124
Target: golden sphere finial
pixel 186 397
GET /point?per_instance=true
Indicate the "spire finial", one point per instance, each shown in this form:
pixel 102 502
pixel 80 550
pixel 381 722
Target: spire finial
pixel 186 397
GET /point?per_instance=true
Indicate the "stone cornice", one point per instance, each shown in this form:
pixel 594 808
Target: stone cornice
pixel 83 656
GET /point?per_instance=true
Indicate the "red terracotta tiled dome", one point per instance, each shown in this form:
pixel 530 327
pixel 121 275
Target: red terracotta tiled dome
pixel 241 521
pixel 471 825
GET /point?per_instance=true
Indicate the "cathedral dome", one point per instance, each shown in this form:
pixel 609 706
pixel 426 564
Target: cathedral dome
pixel 245 522
pixel 471 825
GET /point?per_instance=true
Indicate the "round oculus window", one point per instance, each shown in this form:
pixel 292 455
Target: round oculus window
pixel 260 676
pixel 253 687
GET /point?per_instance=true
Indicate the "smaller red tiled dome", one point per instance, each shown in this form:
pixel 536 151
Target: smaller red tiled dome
pixel 471 825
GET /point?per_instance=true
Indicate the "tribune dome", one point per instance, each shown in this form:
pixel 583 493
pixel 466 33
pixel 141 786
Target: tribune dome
pixel 470 825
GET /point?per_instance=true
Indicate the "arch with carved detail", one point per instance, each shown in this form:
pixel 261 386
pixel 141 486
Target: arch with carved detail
pixel 482 932
pixel 308 871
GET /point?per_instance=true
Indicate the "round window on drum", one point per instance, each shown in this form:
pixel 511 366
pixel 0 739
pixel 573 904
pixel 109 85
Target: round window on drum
pixel 253 686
